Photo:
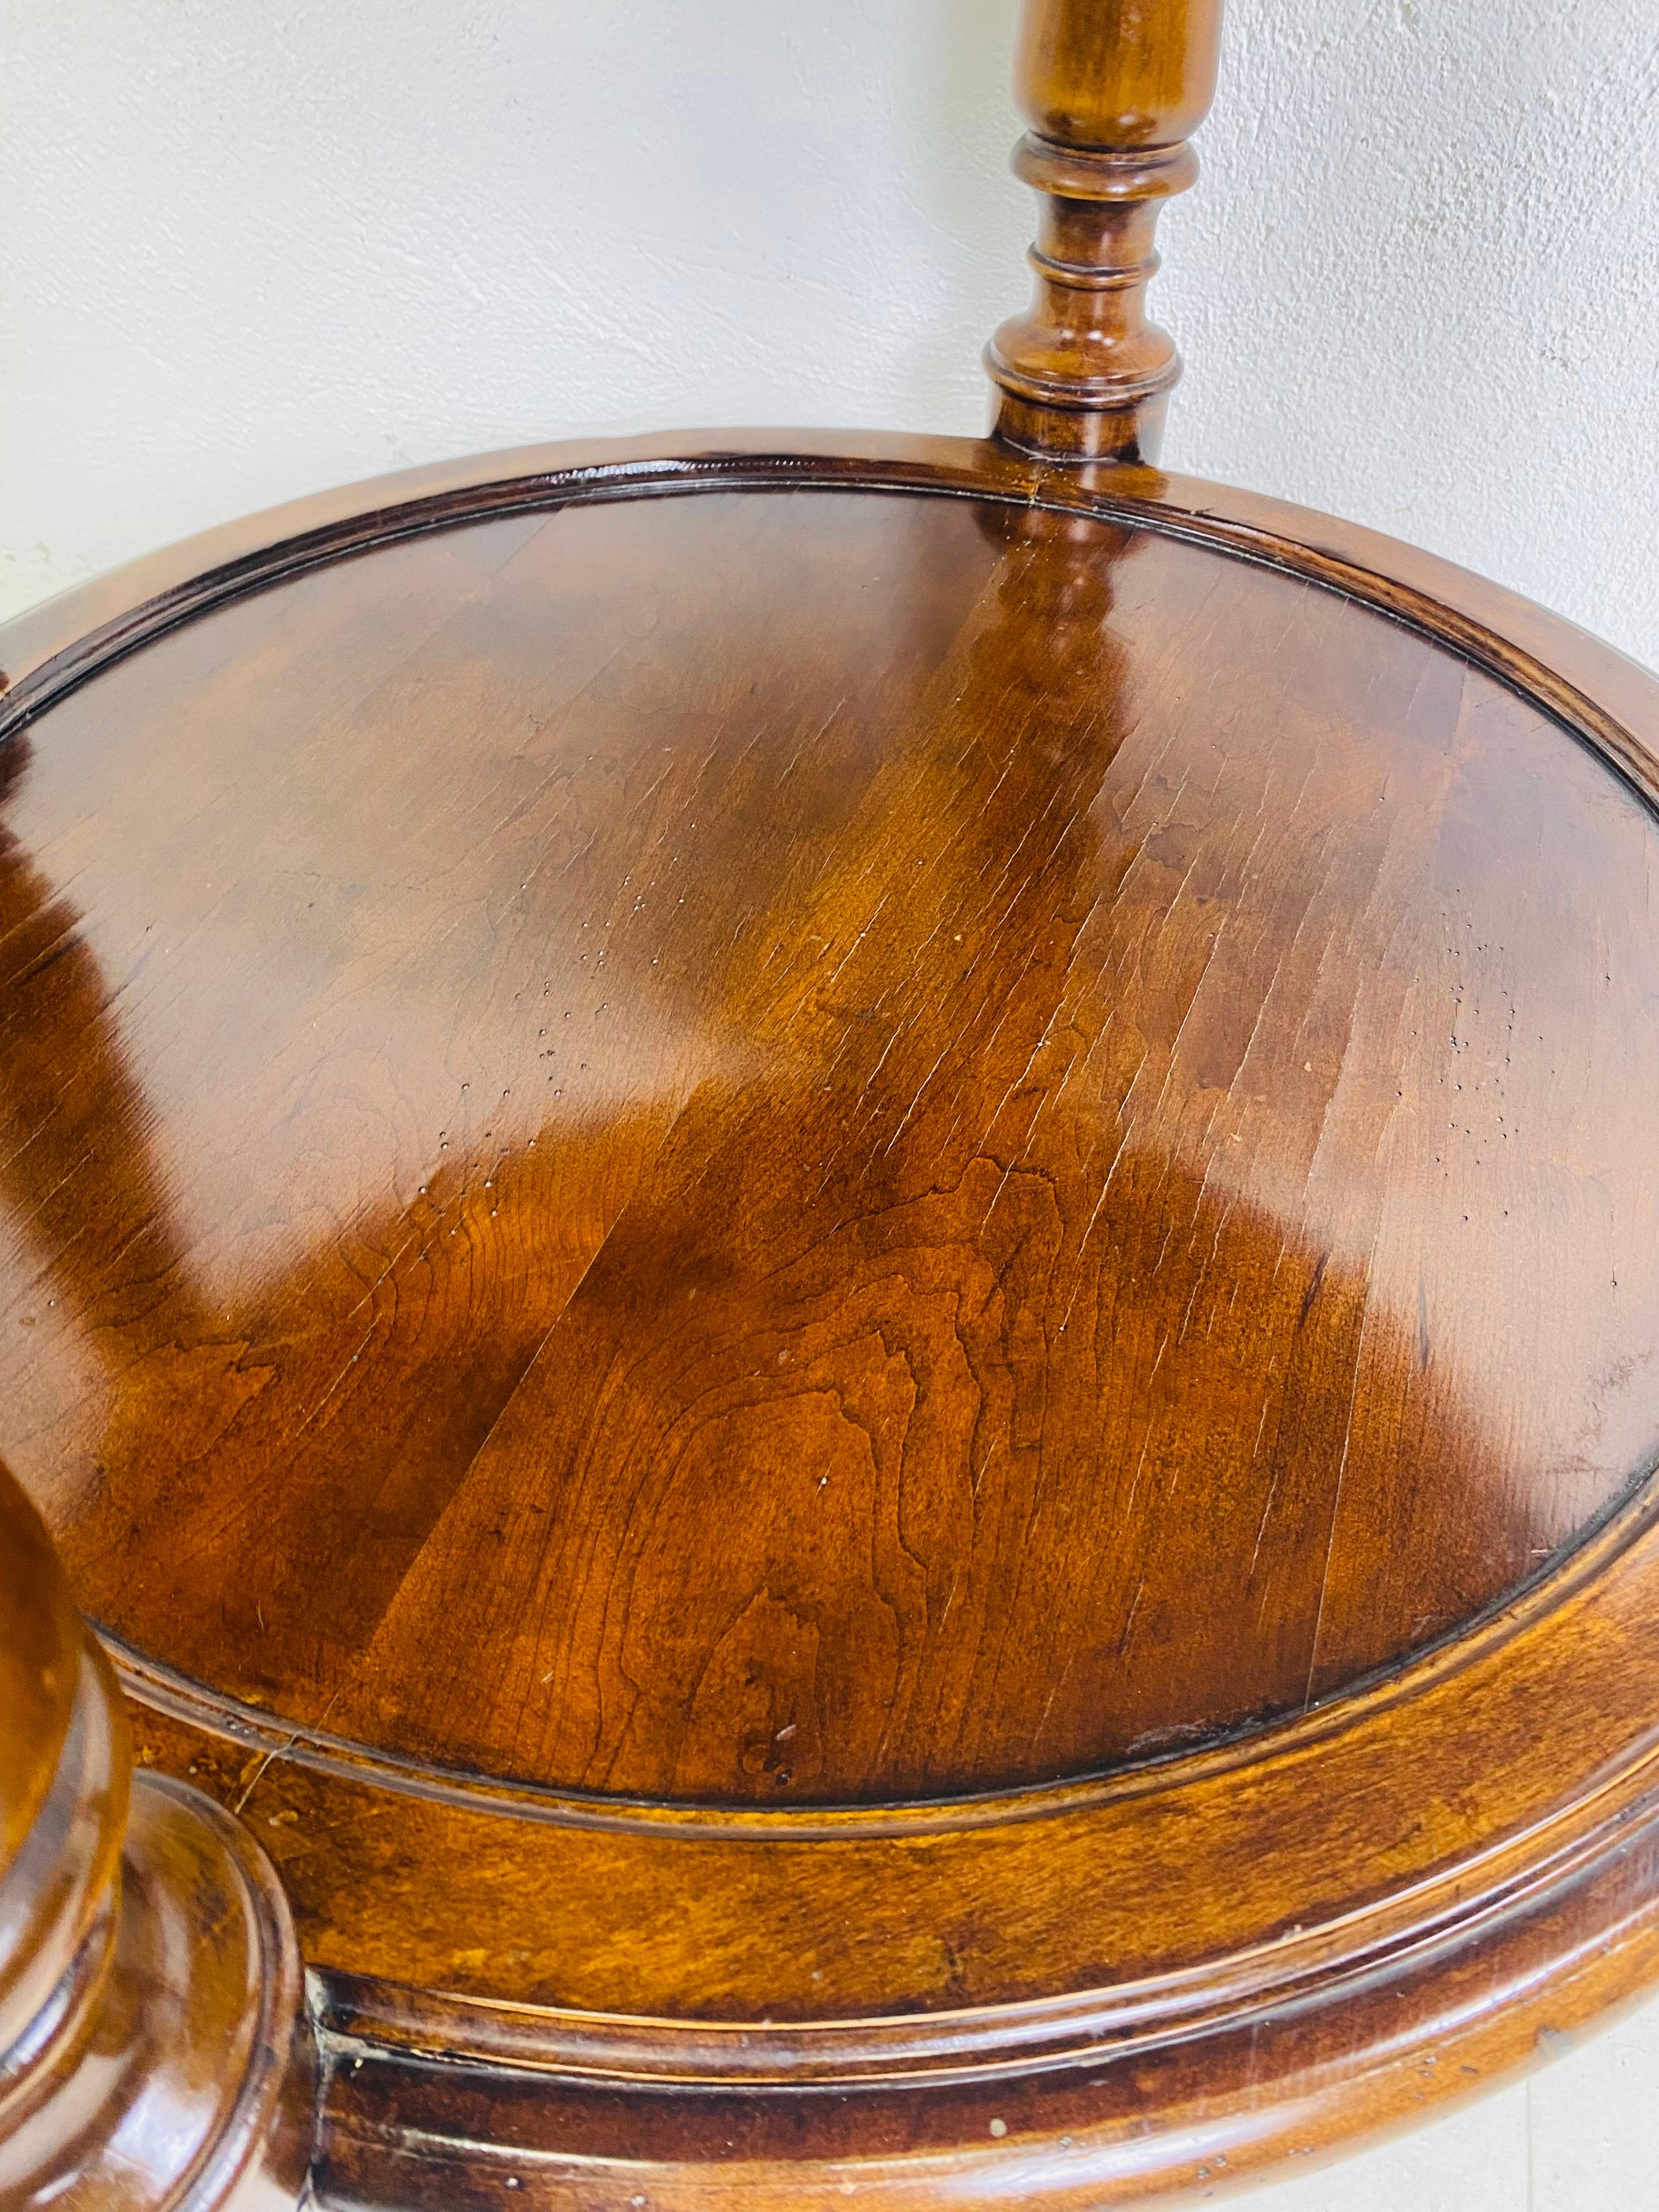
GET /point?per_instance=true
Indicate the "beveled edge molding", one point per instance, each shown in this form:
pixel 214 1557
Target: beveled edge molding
pixel 1537 1907
pixel 50 650
pixel 1415 1930
pixel 1470 1855
pixel 1584 1556
pixel 260 556
pixel 403 2129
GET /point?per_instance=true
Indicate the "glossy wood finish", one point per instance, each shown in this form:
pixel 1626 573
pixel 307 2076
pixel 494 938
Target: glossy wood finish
pixel 872 1288
pixel 834 1028
pixel 1112 89
pixel 155 2054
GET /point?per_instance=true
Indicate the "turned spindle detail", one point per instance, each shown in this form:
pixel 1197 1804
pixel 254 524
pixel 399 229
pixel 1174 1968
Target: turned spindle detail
pixel 1112 89
pixel 154 2051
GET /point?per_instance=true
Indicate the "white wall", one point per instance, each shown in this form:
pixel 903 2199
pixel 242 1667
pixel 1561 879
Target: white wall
pixel 252 247
pixel 248 249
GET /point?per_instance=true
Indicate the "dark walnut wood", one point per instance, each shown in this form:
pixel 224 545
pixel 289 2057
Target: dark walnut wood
pixel 1113 89
pixel 843 1268
pixel 816 1147
pixel 154 2055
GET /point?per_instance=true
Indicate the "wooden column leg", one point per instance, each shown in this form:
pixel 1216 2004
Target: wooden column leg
pixel 1112 89
pixel 154 2050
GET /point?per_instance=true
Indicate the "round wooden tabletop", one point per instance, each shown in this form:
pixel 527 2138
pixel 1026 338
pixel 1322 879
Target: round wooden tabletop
pixel 845 1265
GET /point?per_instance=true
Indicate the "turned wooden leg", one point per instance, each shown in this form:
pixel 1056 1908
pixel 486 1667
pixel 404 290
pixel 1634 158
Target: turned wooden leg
pixel 154 2050
pixel 1111 89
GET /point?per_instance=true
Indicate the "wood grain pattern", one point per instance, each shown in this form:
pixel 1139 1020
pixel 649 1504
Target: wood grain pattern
pixel 828 1131
pixel 836 1266
pixel 842 1268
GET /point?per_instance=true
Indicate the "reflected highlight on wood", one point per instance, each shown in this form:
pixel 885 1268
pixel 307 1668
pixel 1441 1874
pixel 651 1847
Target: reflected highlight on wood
pixel 154 2052
pixel 843 1268
pixel 873 1286
pixel 986 1186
